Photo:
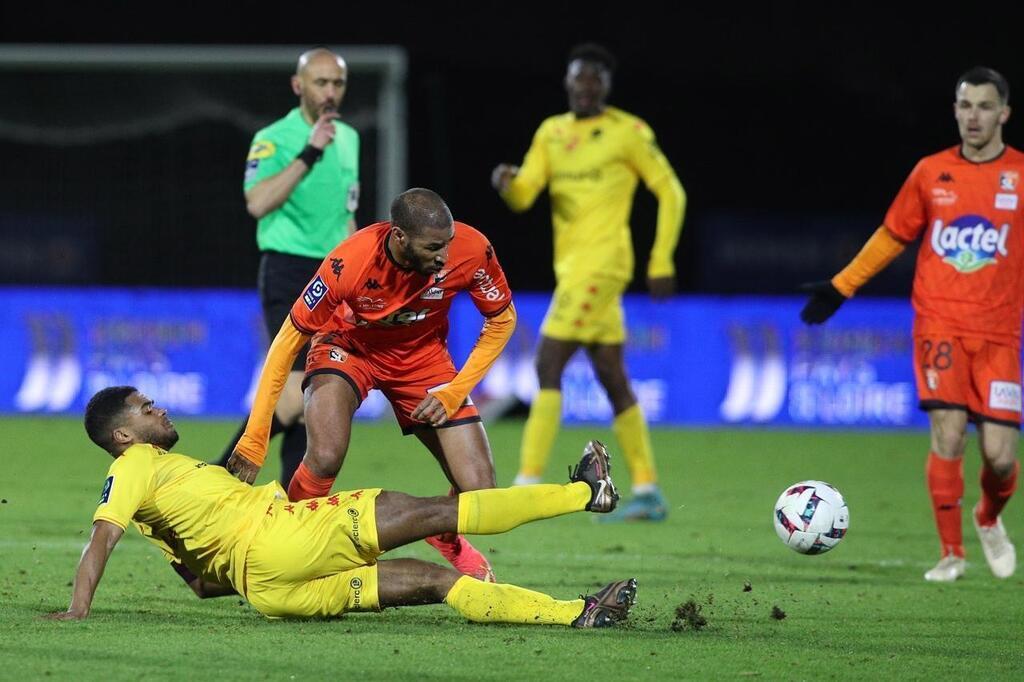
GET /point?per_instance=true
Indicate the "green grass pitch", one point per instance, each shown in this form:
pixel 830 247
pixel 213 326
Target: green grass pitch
pixel 862 611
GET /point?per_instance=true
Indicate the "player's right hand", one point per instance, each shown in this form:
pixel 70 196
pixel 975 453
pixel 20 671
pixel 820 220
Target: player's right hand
pixel 323 130
pixel 241 468
pixel 502 175
pixel 824 302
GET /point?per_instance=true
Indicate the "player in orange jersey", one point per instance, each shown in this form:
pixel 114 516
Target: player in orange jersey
pixel 377 314
pixel 968 302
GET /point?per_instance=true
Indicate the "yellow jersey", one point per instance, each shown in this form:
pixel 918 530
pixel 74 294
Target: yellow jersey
pixel 197 514
pixel 591 167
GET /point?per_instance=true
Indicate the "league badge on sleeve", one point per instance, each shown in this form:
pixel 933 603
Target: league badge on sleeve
pixel 314 293
pixel 107 485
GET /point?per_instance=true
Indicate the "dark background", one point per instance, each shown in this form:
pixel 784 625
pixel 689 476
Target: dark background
pixel 791 128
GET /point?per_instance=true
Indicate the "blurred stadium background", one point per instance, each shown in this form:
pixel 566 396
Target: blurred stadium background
pixel 128 255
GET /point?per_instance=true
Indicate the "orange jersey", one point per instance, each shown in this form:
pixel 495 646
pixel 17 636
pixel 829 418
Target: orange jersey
pixel 970 266
pixel 382 308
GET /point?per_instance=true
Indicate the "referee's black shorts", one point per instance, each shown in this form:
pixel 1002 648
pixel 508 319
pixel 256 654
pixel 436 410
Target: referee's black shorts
pixel 281 280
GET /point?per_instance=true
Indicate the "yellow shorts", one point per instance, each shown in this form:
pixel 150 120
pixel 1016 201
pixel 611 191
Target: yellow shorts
pixel 317 557
pixel 588 310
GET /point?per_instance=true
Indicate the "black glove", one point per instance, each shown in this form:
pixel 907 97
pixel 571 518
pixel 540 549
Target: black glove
pixel 824 302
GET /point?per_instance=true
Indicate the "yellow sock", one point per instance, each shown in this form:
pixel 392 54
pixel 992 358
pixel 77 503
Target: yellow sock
pixel 630 429
pixel 497 510
pixel 540 431
pixel 498 603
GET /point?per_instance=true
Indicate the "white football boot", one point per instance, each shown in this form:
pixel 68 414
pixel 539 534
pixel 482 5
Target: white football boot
pixel 999 551
pixel 949 568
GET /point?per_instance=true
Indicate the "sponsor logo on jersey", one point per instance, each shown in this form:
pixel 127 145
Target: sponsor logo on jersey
pixel 371 284
pixel 433 294
pixel 368 303
pixel 943 197
pixel 593 174
pixel 337 265
pixel 107 485
pixel 314 293
pixel 485 283
pixel 931 377
pixel 1008 181
pixel 441 276
pixel 945 177
pixel 1004 395
pixel 969 243
pixel 262 149
pixel 1006 202
pixel 338 355
pixel 399 318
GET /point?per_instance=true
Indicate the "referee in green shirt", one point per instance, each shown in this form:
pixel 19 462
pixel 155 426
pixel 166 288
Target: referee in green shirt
pixel 302 185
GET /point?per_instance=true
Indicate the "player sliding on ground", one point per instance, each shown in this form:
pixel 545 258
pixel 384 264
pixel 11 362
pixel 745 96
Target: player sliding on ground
pixel 318 557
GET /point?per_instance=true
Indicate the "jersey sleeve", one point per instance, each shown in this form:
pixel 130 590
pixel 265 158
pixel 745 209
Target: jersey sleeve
pixel 264 159
pixel 325 292
pixel 907 217
pixel 130 480
pixel 488 287
pixel 645 156
pixel 533 176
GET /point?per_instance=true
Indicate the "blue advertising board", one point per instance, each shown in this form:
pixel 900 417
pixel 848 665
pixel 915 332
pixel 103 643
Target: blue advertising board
pixel 693 360
pixel 731 360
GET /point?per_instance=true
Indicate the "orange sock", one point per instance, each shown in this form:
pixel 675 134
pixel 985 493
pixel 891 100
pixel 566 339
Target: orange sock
pixel 946 487
pixel 995 493
pixel 305 485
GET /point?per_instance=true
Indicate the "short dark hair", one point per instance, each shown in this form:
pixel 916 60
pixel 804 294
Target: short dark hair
pixel 416 209
pixel 103 413
pixel 980 75
pixel 592 52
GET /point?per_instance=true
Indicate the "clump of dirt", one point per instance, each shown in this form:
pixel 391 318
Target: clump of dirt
pixel 688 617
pixel 777 613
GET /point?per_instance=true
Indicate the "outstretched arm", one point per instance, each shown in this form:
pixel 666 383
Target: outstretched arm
pixel 251 450
pixel 826 297
pixel 441 404
pixel 90 569
pixel 519 186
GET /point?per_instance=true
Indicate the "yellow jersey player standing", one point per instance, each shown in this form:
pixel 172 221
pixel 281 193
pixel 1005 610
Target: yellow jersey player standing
pixel 590 159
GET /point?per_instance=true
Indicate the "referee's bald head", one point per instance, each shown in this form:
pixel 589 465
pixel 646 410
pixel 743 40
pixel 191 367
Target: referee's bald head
pixel 316 54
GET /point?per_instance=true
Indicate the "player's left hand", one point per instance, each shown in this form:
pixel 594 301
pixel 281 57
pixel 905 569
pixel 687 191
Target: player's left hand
pixel 431 411
pixel 661 287
pixel 241 468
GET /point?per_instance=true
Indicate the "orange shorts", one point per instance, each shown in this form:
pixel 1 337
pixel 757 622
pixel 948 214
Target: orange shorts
pixel 404 383
pixel 962 373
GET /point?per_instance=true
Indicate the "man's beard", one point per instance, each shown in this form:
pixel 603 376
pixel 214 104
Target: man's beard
pixel 165 440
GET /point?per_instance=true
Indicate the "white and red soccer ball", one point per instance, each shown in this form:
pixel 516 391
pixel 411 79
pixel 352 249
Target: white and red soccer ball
pixel 811 517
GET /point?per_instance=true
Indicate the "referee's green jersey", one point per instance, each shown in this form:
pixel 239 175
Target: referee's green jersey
pixel 315 217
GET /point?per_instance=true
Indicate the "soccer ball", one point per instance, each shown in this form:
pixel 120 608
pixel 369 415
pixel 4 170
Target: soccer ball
pixel 811 517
